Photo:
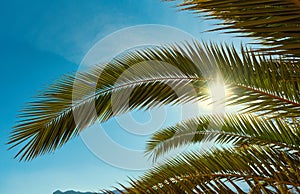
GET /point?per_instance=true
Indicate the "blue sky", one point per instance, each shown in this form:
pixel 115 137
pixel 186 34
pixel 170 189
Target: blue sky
pixel 41 41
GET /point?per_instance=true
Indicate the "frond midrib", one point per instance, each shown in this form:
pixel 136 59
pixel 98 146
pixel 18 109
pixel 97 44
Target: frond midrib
pixel 243 136
pixel 228 176
pixel 114 88
pixel 268 94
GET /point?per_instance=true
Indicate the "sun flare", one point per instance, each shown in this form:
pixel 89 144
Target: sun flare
pixel 217 96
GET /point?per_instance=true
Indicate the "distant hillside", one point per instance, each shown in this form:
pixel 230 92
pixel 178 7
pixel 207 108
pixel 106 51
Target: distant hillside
pixel 77 192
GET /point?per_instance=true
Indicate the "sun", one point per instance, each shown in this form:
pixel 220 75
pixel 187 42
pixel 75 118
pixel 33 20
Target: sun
pixel 217 92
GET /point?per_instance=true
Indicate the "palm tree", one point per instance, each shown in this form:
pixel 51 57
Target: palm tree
pixel 258 147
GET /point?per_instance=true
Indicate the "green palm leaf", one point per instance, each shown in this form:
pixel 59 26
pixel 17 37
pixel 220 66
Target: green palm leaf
pixel 270 86
pixel 221 171
pixel 48 122
pixel 238 130
pixel 275 23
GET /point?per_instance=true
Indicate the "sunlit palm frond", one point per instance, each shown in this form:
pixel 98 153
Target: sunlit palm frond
pixel 230 129
pixel 50 121
pixel 261 84
pixel 153 77
pixel 262 169
pixel 275 23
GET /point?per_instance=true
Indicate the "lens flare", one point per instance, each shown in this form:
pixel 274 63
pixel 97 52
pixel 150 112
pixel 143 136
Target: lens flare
pixel 217 93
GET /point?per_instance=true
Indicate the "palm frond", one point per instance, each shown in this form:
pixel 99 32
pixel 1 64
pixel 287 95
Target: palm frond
pixel 222 171
pixel 238 130
pixel 49 121
pixel 275 23
pixel 262 85
pixel 152 77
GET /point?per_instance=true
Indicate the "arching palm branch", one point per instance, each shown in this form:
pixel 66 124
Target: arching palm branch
pixel 239 130
pixel 275 23
pixel 262 169
pixel 261 84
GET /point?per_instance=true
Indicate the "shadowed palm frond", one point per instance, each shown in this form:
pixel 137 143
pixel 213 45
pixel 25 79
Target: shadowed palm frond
pixel 262 169
pixel 239 130
pixel 153 77
pixel 274 23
